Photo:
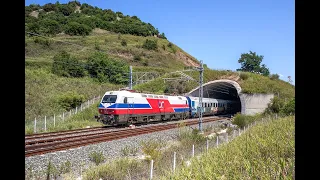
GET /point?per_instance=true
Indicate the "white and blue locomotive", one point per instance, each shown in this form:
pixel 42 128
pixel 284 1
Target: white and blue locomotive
pixel 119 107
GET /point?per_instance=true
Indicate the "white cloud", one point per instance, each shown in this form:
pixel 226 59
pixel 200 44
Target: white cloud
pixel 280 75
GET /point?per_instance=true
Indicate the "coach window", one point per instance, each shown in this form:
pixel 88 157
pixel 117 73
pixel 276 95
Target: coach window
pixel 125 100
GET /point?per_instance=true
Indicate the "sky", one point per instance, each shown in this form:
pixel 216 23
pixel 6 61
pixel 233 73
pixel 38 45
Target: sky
pixel 218 32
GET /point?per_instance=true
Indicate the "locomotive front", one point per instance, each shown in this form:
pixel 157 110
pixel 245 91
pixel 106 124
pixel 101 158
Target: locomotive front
pixel 107 113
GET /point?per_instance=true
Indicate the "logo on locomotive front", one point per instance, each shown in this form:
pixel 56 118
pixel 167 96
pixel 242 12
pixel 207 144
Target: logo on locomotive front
pixel 160 104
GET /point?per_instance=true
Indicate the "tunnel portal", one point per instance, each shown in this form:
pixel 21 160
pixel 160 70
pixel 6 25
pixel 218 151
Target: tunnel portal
pixel 221 89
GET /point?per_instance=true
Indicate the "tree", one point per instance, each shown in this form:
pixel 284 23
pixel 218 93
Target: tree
pixel 50 26
pixel 250 62
pixel 67 66
pixel 74 28
pixel 49 7
pixel 105 69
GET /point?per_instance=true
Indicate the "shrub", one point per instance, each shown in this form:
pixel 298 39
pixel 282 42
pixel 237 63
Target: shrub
pixel 137 57
pixel 64 65
pixel 123 168
pixel 65 167
pixel 76 29
pixel 152 148
pixel 274 76
pixel 187 137
pixel 124 42
pixel 127 150
pixel 239 120
pixel 244 75
pixel 51 170
pixel 43 41
pixel 275 105
pixel 96 46
pixel 150 44
pixel 50 27
pixel 96 157
pixel 70 100
pixel 289 107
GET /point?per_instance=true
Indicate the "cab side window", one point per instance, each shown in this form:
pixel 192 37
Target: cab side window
pixel 125 100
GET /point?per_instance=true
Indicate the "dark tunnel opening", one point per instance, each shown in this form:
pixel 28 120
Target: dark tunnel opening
pixel 221 90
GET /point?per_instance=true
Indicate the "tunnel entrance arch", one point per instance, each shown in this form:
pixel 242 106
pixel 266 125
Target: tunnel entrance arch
pixel 221 89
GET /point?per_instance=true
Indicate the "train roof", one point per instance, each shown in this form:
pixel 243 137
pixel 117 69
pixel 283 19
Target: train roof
pixel 136 94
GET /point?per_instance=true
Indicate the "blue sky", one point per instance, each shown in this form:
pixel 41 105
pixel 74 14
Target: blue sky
pixel 217 32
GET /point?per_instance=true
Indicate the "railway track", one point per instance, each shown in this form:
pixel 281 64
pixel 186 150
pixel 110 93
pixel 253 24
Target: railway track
pixel 51 142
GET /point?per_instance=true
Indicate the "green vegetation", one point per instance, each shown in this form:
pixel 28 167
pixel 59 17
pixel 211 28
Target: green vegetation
pixel 152 148
pixel 124 168
pixel 62 70
pixel 48 94
pixel 51 172
pixel 244 120
pixel 250 62
pixel 82 119
pixel 281 106
pixel 264 152
pixel 53 71
pixel 55 171
pixel 249 82
pixel 128 151
pixel 96 157
pixel 76 19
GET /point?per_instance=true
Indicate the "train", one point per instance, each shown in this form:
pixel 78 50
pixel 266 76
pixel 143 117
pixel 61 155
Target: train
pixel 130 107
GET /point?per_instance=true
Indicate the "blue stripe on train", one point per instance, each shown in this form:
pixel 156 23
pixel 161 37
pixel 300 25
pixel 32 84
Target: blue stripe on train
pixel 181 109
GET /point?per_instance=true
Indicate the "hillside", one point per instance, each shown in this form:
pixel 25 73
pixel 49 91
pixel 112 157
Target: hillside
pixel 99 47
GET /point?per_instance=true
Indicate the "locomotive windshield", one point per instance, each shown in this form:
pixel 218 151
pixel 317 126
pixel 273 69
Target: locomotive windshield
pixel 109 99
